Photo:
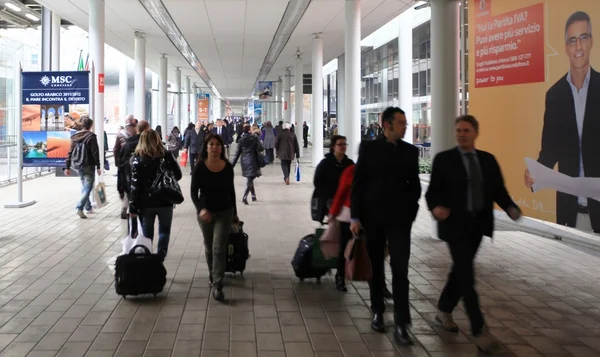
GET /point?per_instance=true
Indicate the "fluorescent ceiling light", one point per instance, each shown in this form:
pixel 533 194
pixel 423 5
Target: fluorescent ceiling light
pixel 157 10
pixel 12 7
pixel 291 18
pixel 32 17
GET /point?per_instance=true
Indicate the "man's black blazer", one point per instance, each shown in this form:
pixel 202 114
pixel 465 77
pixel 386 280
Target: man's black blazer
pixel 386 186
pixel 560 144
pixel 225 134
pixel 449 188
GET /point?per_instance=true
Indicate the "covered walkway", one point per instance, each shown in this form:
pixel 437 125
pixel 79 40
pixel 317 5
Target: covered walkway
pixel 541 297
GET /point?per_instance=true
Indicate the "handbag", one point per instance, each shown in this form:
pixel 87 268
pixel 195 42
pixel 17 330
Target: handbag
pixel 262 159
pixel 318 259
pixel 135 237
pixel 317 207
pixel 297 170
pixel 184 159
pixel 165 185
pixel 358 264
pixel 330 240
pixel 100 195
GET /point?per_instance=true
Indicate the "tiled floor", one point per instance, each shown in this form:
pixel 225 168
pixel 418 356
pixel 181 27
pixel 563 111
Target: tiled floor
pixel 57 297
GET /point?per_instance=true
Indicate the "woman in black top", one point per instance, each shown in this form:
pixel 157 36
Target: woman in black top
pixel 145 165
pixel 247 151
pixel 213 194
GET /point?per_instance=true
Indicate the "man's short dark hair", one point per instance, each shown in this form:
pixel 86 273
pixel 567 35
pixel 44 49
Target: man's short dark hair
pixel 86 122
pixel 388 115
pixel 468 119
pixel 578 16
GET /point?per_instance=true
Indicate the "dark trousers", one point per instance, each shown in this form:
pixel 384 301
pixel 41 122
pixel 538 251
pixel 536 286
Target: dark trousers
pixel 165 218
pixel 345 236
pixel 398 238
pixel 286 166
pixel 192 161
pixel 270 155
pixel 249 187
pixel 305 141
pixel 461 281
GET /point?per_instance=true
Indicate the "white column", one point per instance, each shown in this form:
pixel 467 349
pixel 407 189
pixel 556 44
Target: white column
pixel 405 70
pixel 140 76
pixel 352 77
pixel 340 92
pixel 279 115
pixel 154 115
pixel 445 42
pixel 299 99
pixel 123 90
pixel 55 63
pixel 96 50
pixel 46 39
pixel 187 108
pixel 287 96
pixel 445 83
pixel 193 105
pixel 178 120
pixel 162 92
pixel 316 129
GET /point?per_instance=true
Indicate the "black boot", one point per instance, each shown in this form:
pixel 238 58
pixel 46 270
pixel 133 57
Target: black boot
pixel 245 200
pixel 253 198
pixel 218 293
pixel 377 323
pixel 402 336
pixel 340 283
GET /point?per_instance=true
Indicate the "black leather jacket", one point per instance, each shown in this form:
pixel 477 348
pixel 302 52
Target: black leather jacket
pixel 143 174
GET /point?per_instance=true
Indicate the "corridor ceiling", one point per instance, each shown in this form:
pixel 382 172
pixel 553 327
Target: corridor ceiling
pixel 229 37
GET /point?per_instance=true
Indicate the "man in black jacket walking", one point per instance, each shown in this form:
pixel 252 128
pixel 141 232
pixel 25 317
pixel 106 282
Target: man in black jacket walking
pixel 384 201
pixel 465 183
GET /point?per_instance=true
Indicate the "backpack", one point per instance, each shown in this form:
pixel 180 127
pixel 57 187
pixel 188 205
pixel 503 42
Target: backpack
pixel 79 155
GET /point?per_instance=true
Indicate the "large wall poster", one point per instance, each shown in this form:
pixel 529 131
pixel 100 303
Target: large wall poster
pixel 203 107
pixel 52 106
pixel 536 92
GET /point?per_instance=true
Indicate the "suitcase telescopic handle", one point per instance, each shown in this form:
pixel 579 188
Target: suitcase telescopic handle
pixel 146 250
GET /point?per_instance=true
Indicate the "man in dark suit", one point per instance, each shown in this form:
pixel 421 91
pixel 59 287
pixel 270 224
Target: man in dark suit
pixel 225 134
pixel 384 200
pixel 305 134
pixel 572 126
pixel 192 144
pixel 465 183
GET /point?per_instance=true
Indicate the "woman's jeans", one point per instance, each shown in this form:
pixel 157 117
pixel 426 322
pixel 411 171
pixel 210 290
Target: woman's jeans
pixel 250 187
pixel 216 241
pixel 270 155
pixel 345 236
pixel 165 218
pixel 286 167
pixel 87 175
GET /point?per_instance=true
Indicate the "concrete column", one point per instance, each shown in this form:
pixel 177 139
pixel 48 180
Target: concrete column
pixel 287 95
pixel 140 76
pixel 445 42
pixel 178 120
pixel 316 128
pixel 162 92
pixel 123 90
pixel 299 99
pixel 340 91
pixel 154 115
pixel 352 77
pixel 96 50
pixel 279 115
pixel 55 62
pixel 46 39
pixel 405 70
pixel 187 108
pixel 193 105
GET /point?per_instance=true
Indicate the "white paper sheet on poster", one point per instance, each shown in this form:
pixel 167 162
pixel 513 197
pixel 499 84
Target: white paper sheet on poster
pixel 546 178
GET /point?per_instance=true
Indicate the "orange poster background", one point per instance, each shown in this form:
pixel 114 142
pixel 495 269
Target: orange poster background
pixel 203 110
pixel 511 116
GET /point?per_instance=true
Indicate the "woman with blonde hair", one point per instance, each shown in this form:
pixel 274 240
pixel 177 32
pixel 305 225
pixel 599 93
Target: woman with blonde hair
pixel 148 162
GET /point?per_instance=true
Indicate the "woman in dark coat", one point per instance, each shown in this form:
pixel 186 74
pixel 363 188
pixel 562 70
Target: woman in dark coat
pixel 247 151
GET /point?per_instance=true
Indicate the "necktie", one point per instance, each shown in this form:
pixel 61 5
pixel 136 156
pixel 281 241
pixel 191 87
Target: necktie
pixel 475 183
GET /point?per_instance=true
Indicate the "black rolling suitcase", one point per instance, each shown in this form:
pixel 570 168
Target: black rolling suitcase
pixel 302 262
pixel 137 274
pixel 237 251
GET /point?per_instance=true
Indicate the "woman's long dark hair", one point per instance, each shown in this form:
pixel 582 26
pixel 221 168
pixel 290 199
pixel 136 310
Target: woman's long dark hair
pixel 207 140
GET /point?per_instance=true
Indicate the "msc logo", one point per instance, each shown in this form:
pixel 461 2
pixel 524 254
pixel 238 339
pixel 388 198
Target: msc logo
pixel 57 81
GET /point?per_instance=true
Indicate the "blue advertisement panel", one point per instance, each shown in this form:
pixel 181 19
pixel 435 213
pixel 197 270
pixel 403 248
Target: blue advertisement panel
pixel 265 90
pixel 258 112
pixel 47 124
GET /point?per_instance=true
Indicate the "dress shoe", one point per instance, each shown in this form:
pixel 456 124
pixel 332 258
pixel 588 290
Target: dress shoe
pixel 377 323
pixel 245 201
pixel 218 293
pixel 340 283
pixel 447 322
pixel 485 342
pixel 253 198
pixel 287 181
pixel 387 293
pixel 402 336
